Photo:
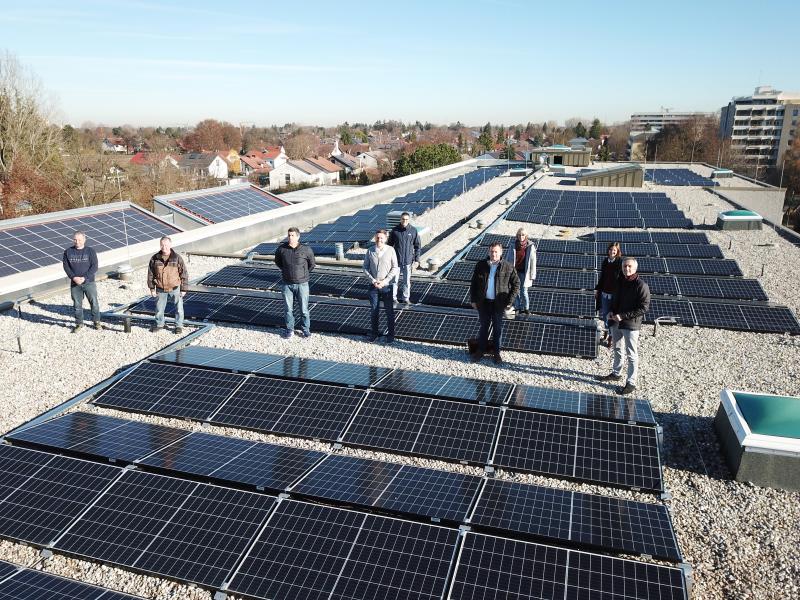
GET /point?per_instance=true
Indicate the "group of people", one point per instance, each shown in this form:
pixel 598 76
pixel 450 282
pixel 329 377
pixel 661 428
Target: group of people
pixel 498 283
pixel 167 277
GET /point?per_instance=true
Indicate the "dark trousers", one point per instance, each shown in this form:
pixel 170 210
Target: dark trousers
pixel 490 312
pixel 375 297
pixel 88 289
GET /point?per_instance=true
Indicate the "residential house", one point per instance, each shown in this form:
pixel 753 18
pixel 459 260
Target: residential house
pixel 373 159
pixel 232 158
pixel 204 165
pixel 348 163
pixel 153 161
pixel 114 144
pixel 275 156
pixel 313 171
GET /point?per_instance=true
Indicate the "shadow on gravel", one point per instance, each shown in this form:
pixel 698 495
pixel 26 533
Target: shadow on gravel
pixel 562 374
pixel 691 444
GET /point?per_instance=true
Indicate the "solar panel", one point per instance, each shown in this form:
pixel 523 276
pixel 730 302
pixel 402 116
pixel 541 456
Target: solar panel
pixel 447 294
pixel 586 519
pixel 319 412
pixel 719 315
pixel 461 271
pixel 567 340
pixel 315 552
pixel 398 488
pixel 218 358
pixel 259 403
pixel 599 451
pixel 678 309
pixel 101 436
pixel 734 289
pixel 598 406
pixel 661 284
pixel 494 567
pixel 778 319
pixel 28 247
pixel 416 425
pixel 30 584
pixel 228 202
pixel 418 325
pixel 171 390
pixel 226 459
pixel 326 371
pixel 42 493
pixel 188 531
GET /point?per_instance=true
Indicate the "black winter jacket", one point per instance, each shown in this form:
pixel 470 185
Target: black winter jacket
pixel 616 274
pixel 631 302
pixel 295 264
pixel 506 283
pixel 405 241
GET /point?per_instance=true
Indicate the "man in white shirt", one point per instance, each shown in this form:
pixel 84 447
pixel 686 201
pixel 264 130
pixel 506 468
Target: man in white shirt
pixel 380 266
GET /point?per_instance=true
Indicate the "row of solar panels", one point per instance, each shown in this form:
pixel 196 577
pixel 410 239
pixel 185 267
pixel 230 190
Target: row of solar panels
pixel 654 220
pixel 19 583
pixel 228 202
pixel 596 406
pixel 28 247
pixel 717 267
pixel 255 545
pixel 601 196
pixel 504 437
pixel 677 177
pixel 625 237
pixel 491 505
pixel 571 304
pixel 361 226
pixel 541 336
pixel 318 249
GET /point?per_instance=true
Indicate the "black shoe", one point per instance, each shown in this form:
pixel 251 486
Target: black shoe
pixel 178 330
pixel 497 358
pixel 476 357
pixel 609 377
pixel 98 325
pixel 390 339
pixel 156 329
pixel 371 338
pixel 628 389
pixel 77 328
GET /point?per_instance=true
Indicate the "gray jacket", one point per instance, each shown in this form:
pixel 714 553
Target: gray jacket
pixel 385 267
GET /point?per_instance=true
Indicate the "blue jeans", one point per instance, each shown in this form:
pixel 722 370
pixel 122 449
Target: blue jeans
pixel 161 305
pixel 522 301
pixel 88 289
pixel 605 307
pixel 290 290
pixel 489 312
pixel 375 297
pixel 401 288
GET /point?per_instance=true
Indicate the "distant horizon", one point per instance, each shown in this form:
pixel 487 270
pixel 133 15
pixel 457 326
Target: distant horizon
pixel 147 63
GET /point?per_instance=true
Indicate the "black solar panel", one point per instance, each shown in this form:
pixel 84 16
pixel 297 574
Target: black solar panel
pixel 188 531
pixel 325 371
pixel 599 451
pixel 447 294
pixel 719 315
pixel 42 493
pixel 461 271
pixel 494 567
pixel 661 284
pixel 446 386
pixel 29 247
pixel 678 309
pixel 778 319
pixel 586 519
pixel 228 202
pixel 171 390
pixel 418 325
pixel 226 459
pixel 313 552
pixel 416 425
pixel 734 289
pixel 99 436
pixel 218 358
pixel 392 487
pixel 571 280
pixel 597 406
pixel 319 412
pixel 259 403
pixel 29 584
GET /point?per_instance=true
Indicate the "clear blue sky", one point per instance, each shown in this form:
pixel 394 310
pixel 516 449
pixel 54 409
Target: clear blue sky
pixel 505 61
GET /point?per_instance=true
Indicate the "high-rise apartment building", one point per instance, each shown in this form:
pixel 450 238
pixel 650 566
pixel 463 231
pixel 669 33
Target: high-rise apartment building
pixel 763 126
pixel 646 121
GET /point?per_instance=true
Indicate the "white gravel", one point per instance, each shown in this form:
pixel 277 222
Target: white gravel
pixel 740 539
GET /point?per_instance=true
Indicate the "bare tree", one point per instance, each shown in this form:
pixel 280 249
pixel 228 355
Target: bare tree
pixel 301 145
pixel 29 141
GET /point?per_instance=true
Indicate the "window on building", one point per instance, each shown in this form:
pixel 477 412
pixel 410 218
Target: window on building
pixel 796 112
pixel 288 179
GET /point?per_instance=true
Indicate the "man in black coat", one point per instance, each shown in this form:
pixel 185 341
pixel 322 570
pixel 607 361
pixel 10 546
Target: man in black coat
pixel 494 286
pixel 296 261
pixel 404 238
pixel 628 307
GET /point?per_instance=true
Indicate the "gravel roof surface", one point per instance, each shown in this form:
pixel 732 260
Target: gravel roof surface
pixel 741 540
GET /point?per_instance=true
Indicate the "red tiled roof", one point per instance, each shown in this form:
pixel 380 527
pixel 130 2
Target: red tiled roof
pixel 272 152
pixel 324 164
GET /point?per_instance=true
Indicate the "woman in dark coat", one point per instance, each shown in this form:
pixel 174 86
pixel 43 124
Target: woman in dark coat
pixel 607 283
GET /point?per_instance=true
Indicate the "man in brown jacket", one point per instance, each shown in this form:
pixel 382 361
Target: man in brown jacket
pixel 167 276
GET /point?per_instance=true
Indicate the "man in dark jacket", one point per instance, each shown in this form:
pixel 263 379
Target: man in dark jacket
pixel 296 261
pixel 80 265
pixel 404 238
pixel 628 307
pixel 167 278
pixel 494 286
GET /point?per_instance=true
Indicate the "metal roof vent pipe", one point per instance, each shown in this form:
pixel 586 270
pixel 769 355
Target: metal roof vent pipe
pixel 339 250
pixel 433 264
pixel 479 224
pixel 125 272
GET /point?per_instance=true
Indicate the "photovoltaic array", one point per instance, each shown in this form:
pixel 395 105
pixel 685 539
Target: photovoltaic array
pixel 27 247
pixel 598 209
pixel 19 583
pixel 543 335
pixel 228 202
pixel 678 177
